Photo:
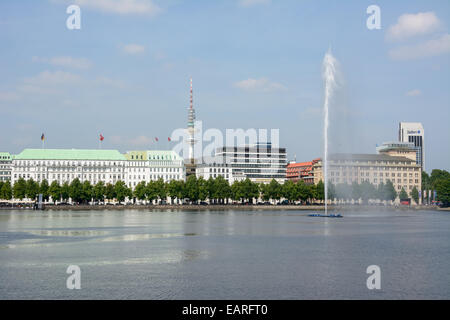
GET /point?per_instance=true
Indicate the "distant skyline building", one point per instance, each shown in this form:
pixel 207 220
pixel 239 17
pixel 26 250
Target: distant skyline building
pixel 398 149
pixel 5 166
pixel 260 162
pixel 413 132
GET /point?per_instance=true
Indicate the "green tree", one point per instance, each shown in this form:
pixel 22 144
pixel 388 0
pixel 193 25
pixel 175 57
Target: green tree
pixel 264 191
pixel 152 191
pixel 76 191
pixel 202 189
pixel 110 192
pixel 44 189
pixel 192 191
pixel 237 193
pixel 437 175
pixel 211 188
pixel 222 189
pixel 415 195
pixel 303 191
pixel 55 191
pixel 122 191
pixel 250 189
pixel 275 190
pixel 140 191
pixel 32 189
pixel 320 191
pixel 443 191
pixel 175 189
pixel 289 191
pixel 65 191
pixel 381 191
pixel 6 191
pixel 98 192
pixel 426 184
pixel 87 191
pixel 390 192
pixel 403 195
pixel 20 189
pixel 368 191
pixel 161 190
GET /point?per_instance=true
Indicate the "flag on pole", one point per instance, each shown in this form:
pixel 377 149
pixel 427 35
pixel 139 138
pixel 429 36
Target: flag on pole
pixel 102 137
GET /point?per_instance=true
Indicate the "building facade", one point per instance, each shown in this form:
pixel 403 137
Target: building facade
pixel 375 168
pixel 398 149
pixel 260 163
pixel 301 171
pixel 5 166
pixel 214 170
pixel 153 165
pixel 413 132
pixel 64 165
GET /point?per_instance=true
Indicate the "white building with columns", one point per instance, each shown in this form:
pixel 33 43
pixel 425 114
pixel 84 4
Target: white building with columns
pixel 153 165
pixel 64 165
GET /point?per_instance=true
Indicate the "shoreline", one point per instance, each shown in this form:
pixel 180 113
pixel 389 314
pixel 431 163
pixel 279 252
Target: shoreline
pixel 241 207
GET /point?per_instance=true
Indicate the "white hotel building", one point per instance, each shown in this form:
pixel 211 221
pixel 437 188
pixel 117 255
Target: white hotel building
pixel 109 166
pixel 64 165
pixel 214 170
pixel 153 165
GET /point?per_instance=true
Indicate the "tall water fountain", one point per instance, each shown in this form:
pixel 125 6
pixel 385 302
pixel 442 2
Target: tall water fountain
pixel 329 76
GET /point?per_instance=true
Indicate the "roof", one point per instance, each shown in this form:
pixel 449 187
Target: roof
pixel 299 164
pixel 5 155
pixel 154 155
pixel 69 154
pixel 367 157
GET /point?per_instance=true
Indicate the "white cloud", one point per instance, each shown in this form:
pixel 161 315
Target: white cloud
pixel 133 48
pixel 141 7
pixel 429 48
pixel 261 84
pixel 251 3
pixel 66 61
pixel 414 93
pixel 411 25
pixel 53 78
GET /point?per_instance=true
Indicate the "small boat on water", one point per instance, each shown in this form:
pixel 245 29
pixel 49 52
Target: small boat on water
pixel 331 215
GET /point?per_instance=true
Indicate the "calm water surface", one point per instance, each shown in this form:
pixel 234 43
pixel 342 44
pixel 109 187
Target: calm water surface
pixel 224 254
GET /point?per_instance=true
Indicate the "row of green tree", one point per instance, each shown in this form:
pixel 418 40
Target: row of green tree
pixel 439 180
pixel 217 190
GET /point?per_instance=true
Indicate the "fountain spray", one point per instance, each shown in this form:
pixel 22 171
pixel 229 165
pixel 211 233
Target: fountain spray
pixel 329 77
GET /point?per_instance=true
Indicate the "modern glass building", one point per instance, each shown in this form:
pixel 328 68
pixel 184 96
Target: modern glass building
pixel 413 132
pixel 259 162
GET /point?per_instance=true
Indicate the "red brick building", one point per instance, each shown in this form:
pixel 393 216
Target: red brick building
pixel 301 171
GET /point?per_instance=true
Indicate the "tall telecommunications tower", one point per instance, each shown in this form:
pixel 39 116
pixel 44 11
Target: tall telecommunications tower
pixel 191 127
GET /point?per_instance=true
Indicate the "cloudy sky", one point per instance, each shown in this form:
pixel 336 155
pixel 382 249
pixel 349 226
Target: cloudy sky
pixel 254 63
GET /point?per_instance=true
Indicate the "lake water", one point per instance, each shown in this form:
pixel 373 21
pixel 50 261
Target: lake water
pixel 224 254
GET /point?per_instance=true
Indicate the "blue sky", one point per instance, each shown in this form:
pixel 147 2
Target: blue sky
pixel 254 63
